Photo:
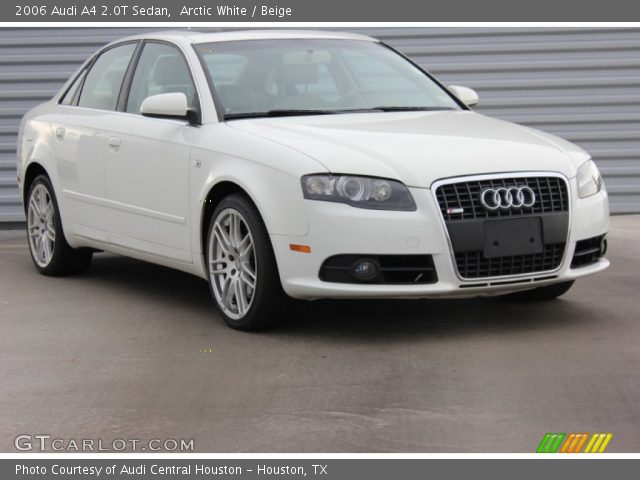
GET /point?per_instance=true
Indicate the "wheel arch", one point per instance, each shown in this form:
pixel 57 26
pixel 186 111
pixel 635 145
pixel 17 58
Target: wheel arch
pixel 34 169
pixel 216 193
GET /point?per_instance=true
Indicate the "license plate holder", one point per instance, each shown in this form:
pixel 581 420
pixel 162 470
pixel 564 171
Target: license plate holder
pixel 512 237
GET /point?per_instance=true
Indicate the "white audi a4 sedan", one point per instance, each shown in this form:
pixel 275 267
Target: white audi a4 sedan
pixel 279 164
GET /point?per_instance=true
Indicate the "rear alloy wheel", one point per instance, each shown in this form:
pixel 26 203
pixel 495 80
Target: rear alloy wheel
pixel 242 270
pixel 549 292
pixel 49 250
pixel 41 226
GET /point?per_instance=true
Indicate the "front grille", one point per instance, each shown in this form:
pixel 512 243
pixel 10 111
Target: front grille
pixel 588 251
pixel 394 269
pixel 464 216
pixel 551 197
pixel 475 265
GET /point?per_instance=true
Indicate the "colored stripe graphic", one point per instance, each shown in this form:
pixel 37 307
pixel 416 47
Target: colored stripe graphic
pixel 550 442
pixel 581 442
pixel 598 443
pixel 573 443
pixel 569 444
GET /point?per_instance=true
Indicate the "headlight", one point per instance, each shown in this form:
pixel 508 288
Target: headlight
pixel 589 180
pixel 361 192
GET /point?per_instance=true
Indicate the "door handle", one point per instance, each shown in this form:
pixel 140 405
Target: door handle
pixel 114 143
pixel 60 131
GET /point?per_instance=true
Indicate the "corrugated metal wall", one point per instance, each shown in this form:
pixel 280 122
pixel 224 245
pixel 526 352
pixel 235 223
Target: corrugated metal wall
pixel 582 84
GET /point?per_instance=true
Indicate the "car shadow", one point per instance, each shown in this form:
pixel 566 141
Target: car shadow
pixel 402 320
pixel 348 320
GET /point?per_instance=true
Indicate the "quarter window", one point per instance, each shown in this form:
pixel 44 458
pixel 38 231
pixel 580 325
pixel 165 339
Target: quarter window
pixel 72 93
pixel 161 69
pixel 104 80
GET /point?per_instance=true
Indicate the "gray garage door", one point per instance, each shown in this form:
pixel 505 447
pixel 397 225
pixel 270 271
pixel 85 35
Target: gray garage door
pixel 582 84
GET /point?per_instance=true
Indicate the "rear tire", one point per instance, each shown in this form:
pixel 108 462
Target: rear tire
pixel 549 292
pixel 242 269
pixel 50 252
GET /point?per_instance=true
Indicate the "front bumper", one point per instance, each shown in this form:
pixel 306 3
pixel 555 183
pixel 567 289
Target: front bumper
pixel 336 229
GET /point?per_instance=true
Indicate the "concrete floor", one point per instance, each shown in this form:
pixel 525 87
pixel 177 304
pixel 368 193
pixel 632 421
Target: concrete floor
pixel 123 352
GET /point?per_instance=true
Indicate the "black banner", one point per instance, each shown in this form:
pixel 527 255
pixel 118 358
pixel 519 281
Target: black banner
pixel 316 11
pixel 312 469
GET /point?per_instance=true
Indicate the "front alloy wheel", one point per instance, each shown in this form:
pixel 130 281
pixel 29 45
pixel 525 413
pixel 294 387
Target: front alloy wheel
pixel 242 269
pixel 232 264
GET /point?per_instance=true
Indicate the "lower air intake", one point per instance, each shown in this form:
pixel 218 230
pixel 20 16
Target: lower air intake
pixel 389 269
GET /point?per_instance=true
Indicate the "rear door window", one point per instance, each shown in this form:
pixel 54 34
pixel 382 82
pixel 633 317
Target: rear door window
pixel 104 81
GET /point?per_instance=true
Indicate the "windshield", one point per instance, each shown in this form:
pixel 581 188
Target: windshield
pixel 254 78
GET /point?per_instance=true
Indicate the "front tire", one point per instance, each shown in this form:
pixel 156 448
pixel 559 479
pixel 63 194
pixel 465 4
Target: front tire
pixel 242 269
pixel 549 292
pixel 50 252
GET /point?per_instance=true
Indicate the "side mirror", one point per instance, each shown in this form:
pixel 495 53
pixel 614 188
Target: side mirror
pixel 167 105
pixel 466 95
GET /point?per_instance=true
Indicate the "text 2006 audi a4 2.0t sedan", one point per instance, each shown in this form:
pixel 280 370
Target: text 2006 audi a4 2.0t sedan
pixel 302 164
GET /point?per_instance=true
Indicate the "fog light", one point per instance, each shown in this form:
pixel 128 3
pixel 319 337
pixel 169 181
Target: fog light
pixel 365 269
pixel 603 246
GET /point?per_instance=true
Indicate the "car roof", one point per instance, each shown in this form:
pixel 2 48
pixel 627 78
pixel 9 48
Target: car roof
pixel 192 36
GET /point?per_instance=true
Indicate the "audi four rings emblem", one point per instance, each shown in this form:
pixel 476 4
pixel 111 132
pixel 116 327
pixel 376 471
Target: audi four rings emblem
pixel 507 197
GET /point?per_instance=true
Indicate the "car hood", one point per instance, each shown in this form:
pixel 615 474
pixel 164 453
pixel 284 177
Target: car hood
pixel 418 148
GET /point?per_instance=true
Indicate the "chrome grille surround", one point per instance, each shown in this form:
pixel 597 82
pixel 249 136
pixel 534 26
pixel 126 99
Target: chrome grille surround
pixel 555 204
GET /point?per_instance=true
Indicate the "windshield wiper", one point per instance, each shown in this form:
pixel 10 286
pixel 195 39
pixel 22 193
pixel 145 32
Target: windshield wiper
pixel 391 108
pixel 291 112
pixel 280 113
